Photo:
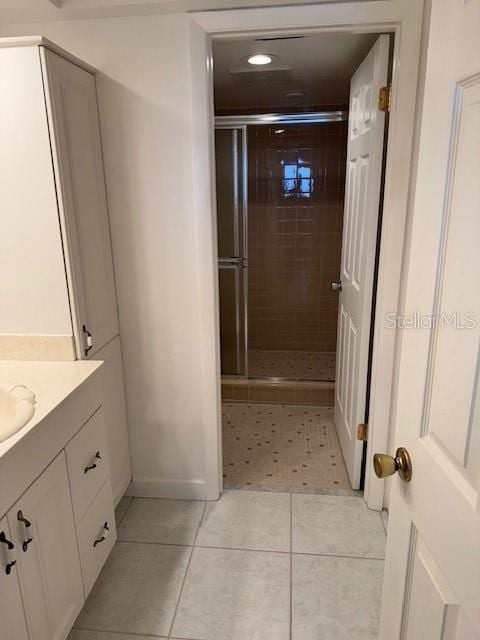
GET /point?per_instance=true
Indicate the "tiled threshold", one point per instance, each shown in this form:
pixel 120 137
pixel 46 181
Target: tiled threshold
pixel 321 394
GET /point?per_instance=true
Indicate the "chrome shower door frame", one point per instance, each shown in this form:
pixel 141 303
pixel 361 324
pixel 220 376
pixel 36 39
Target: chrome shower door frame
pixel 239 262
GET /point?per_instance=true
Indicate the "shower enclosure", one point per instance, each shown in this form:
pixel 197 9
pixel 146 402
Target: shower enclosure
pixel 280 191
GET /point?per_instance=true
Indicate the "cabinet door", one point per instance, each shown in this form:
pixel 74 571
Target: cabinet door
pixel 75 133
pixel 12 617
pixel 115 416
pixel 48 563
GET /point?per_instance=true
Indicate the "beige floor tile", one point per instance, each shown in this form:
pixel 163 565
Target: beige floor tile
pixel 235 595
pixel 336 525
pixel 282 447
pixel 137 590
pixel 160 520
pixel 247 520
pixel 336 598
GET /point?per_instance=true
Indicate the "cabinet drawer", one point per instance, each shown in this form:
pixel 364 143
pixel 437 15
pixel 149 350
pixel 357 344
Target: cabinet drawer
pixel 97 534
pixel 87 461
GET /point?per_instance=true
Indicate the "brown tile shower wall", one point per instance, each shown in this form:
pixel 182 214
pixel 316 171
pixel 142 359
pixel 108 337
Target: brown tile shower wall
pixel 296 193
pixel 299 393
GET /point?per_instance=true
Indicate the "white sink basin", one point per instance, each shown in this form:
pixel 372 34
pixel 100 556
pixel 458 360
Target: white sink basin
pixel 16 408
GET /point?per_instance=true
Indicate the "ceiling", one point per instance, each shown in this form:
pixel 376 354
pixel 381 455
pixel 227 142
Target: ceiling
pixel 31 11
pixel 318 65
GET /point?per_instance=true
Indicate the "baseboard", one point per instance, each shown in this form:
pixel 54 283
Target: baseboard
pixel 167 488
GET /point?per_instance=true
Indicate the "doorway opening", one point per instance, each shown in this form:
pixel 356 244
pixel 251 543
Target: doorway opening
pixel 299 148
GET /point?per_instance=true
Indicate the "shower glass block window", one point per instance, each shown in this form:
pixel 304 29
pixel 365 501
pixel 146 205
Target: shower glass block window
pixel 297 180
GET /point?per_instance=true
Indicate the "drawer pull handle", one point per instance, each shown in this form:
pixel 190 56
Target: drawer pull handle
pixel 27 524
pixel 10 553
pixel 88 340
pixel 106 532
pixel 94 464
pixel 5 540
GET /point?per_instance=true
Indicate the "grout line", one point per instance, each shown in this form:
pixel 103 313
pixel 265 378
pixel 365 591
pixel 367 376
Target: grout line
pixel 202 546
pixel 187 570
pixel 157 544
pixel 291 566
pixel 293 553
pixel 200 523
pixel 301 491
pixel 122 633
pixel 341 493
pixel 336 555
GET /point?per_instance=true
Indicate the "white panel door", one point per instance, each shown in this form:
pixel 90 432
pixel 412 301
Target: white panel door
pixel 48 564
pixel 362 198
pixel 12 617
pixel 432 572
pixel 75 133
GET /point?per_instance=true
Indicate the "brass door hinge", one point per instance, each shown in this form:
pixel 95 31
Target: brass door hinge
pixel 362 432
pixel 384 98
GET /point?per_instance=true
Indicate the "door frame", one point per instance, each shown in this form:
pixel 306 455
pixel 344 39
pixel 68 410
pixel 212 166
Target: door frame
pixel 404 19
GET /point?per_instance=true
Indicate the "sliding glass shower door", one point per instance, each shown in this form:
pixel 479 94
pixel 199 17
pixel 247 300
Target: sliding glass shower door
pixel 231 173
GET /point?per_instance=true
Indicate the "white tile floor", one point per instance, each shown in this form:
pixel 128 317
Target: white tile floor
pixel 253 566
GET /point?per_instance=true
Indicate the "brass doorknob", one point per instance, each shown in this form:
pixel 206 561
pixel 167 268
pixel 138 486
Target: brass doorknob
pixel 385 466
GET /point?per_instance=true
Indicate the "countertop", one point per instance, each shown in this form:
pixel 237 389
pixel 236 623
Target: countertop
pixel 51 382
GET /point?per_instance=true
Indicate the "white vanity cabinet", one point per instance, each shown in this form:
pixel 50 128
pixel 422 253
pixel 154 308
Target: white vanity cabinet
pixel 57 526
pixel 12 618
pixel 58 296
pixel 44 535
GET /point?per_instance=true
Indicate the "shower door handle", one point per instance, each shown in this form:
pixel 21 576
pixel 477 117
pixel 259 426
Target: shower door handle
pixel 232 263
pixel 336 286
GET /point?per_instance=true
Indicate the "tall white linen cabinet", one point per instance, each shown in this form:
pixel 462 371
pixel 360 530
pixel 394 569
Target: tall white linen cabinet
pixel 57 291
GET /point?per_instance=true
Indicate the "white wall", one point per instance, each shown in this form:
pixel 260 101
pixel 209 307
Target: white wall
pixel 145 107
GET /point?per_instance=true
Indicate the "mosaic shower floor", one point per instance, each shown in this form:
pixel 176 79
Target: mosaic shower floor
pixel 281 447
pixel 296 365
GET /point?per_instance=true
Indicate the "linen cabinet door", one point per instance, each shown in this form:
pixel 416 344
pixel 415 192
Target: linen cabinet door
pixel 12 617
pixel 75 133
pixel 48 563
pixel 115 413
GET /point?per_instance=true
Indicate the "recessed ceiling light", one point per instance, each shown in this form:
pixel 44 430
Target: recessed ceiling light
pixel 259 59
